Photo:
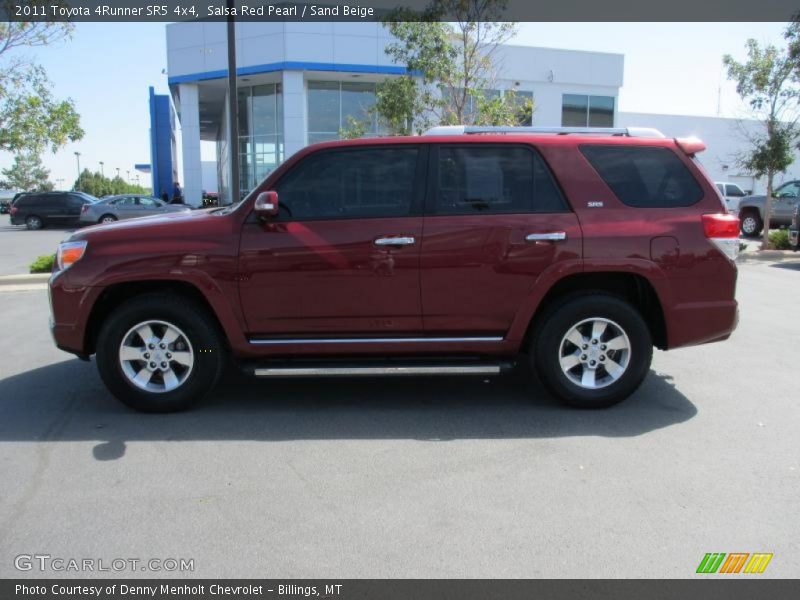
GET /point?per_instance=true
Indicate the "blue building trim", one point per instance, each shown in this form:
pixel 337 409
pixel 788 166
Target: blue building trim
pixel 153 142
pixel 291 66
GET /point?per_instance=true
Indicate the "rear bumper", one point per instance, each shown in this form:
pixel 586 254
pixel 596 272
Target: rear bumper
pixel 702 322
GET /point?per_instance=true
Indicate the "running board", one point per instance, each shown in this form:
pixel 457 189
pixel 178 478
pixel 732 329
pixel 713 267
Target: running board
pixel 385 370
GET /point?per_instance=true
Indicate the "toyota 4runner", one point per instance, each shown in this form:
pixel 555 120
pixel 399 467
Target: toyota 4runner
pixel 467 250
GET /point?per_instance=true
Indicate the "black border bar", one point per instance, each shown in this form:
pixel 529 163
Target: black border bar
pixel 705 587
pixel 376 10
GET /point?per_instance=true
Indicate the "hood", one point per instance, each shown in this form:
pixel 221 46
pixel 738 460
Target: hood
pixel 146 226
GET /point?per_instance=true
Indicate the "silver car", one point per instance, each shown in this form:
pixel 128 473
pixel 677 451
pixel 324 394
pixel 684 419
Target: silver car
pixel 127 206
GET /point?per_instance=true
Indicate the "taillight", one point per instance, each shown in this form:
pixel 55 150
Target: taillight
pixel 723 231
pixel 84 207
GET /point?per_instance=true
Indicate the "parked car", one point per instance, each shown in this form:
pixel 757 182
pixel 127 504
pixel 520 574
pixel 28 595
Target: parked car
pixel 464 251
pixel 40 209
pixel 5 207
pixel 751 209
pixel 794 229
pixel 731 194
pixel 127 206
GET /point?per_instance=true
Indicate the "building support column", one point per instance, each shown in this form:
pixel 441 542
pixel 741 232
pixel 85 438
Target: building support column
pixel 190 144
pixel 294 112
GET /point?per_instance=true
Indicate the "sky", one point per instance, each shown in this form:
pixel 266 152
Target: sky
pixel 670 68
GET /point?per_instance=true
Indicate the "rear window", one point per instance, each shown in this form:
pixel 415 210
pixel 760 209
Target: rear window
pixel 644 176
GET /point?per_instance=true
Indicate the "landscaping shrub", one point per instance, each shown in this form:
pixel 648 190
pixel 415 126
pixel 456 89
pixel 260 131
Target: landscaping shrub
pixel 779 240
pixel 43 264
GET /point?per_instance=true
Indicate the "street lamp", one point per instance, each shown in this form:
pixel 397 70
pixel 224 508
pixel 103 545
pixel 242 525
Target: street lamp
pixel 101 169
pixel 78 183
pixel 117 171
pixel 129 176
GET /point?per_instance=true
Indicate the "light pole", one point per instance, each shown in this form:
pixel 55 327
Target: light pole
pixel 117 171
pixel 129 176
pixel 78 182
pixel 101 169
pixel 60 182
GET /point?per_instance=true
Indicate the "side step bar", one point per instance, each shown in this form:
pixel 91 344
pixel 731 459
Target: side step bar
pixel 384 370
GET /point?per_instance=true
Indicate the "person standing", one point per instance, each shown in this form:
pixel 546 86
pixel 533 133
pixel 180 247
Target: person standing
pixel 177 194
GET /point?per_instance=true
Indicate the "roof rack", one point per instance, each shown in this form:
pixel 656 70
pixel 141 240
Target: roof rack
pixel 476 129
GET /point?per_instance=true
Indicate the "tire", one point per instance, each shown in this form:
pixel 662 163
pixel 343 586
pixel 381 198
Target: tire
pixel 750 224
pixel 34 222
pixel 107 219
pixel 136 382
pixel 619 322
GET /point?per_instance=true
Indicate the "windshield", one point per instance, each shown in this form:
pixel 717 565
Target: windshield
pixel 89 197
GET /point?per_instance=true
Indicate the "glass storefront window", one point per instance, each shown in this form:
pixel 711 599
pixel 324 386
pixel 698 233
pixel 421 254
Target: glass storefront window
pixel 332 104
pixel 260 133
pixel 579 110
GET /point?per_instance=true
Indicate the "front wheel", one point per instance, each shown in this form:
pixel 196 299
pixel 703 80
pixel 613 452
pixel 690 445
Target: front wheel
pixel 159 353
pixel 751 224
pixel 592 351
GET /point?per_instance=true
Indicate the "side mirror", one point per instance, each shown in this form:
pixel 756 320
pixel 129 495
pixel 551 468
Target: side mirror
pixel 267 204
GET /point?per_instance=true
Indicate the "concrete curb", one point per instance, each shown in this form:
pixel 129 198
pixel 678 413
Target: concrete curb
pixel 25 279
pixel 773 255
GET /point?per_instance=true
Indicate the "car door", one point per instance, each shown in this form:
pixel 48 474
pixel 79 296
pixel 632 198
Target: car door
pixel 125 207
pixel 495 220
pixel 342 256
pixel 733 195
pixel 786 196
pixel 72 204
pixel 148 206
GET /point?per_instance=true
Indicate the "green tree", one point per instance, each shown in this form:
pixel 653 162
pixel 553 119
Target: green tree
pixel 508 109
pixel 99 185
pixel 769 82
pixel 27 174
pixel 447 63
pixel 31 118
pixel 354 129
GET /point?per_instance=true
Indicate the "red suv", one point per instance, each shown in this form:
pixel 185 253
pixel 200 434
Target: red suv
pixel 465 251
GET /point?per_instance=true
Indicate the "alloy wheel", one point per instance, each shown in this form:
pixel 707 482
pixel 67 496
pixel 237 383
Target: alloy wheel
pixel 594 353
pixel 156 356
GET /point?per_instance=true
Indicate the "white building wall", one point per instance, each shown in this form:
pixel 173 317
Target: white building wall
pixel 294 112
pixel 724 139
pixel 190 135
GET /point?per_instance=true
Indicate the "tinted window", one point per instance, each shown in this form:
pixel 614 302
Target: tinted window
pixel 734 191
pixel 645 177
pixel 149 202
pixel 74 200
pixel 364 182
pixel 493 179
pixel 788 190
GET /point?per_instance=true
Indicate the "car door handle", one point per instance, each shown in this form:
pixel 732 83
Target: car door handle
pixel 553 236
pixel 396 240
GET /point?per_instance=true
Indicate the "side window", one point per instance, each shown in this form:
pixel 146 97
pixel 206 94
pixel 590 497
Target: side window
pixel 350 183
pixel 149 202
pixel 127 201
pixel 790 190
pixel 644 176
pixel 734 191
pixel 493 180
pixel 73 201
pixel 721 188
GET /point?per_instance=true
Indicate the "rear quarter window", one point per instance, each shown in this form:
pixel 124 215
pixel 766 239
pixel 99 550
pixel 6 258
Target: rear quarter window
pixel 644 176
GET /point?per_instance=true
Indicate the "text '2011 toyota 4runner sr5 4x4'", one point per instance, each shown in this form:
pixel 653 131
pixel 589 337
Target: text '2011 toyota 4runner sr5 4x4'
pixel 467 250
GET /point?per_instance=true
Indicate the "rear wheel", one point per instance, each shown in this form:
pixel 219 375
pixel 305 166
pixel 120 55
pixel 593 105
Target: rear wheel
pixel 592 351
pixel 751 223
pixel 34 222
pixel 107 219
pixel 159 353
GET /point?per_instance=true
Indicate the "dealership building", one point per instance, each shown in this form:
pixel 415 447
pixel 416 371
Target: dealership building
pixel 299 82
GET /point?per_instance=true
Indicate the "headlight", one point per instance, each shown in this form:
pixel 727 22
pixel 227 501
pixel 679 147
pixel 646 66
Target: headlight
pixel 69 253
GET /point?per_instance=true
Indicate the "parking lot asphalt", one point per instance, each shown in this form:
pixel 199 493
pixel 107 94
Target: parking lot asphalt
pixel 414 477
pixel 20 247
